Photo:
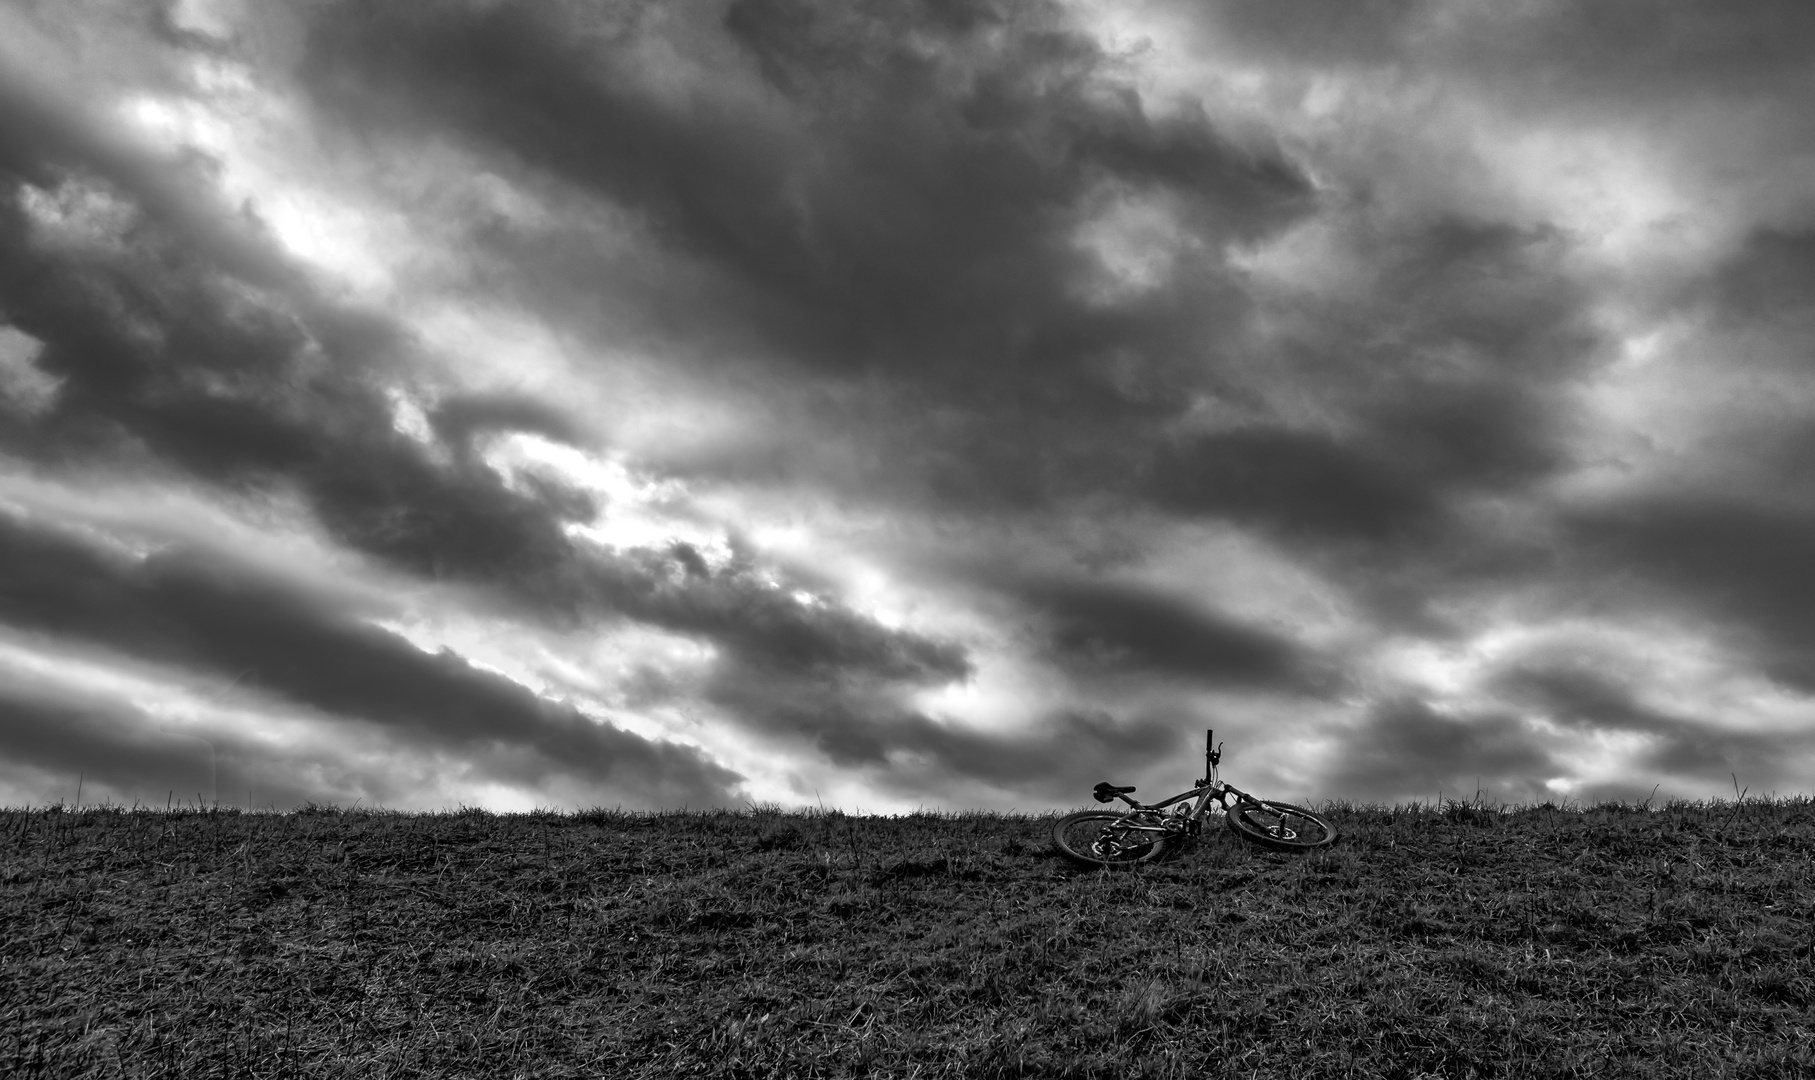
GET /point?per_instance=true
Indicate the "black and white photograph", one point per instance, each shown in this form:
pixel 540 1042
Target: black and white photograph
pixel 615 538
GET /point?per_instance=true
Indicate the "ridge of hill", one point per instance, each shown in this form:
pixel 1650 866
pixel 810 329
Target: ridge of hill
pixel 1461 940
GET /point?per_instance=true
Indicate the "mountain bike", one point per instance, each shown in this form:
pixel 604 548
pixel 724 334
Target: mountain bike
pixel 1149 832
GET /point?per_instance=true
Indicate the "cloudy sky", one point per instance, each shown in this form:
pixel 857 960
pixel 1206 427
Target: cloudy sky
pixel 904 404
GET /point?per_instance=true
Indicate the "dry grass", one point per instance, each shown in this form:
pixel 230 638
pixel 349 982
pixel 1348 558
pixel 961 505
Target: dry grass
pixel 1466 941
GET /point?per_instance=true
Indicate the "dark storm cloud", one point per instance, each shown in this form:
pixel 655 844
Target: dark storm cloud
pixel 1742 570
pixel 1771 276
pixel 241 394
pixel 1729 549
pixel 856 715
pixel 1329 31
pixel 1583 699
pixel 1635 47
pixel 1295 482
pixel 1404 747
pixel 1614 57
pixel 194 610
pixel 1140 631
pixel 859 725
pixel 1677 745
pixel 1442 379
pixel 461 418
pixel 56 744
pixel 160 352
pixel 157 351
pixel 876 192
pixel 909 201
pixel 49 133
pixel 96 742
pixel 739 608
pixel 1066 752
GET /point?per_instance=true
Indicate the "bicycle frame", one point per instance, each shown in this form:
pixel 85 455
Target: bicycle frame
pixel 1190 822
pixel 1148 831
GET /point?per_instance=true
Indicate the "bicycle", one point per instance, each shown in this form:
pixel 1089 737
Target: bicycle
pixel 1148 832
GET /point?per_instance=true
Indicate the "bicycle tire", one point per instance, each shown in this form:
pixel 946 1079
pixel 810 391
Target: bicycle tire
pixel 1280 826
pixel 1082 838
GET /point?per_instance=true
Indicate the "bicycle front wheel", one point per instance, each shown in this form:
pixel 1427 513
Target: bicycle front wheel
pixel 1279 825
pixel 1107 838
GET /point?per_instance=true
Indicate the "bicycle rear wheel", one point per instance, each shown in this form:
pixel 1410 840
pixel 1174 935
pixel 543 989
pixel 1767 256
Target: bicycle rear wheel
pixel 1279 825
pixel 1107 838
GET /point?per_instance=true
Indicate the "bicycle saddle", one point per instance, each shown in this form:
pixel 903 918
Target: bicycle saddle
pixel 1106 791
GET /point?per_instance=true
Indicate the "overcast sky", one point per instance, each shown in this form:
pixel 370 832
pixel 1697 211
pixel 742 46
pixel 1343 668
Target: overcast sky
pixel 887 405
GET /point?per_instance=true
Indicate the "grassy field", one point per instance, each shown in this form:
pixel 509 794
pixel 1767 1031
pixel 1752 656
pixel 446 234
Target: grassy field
pixel 1465 941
